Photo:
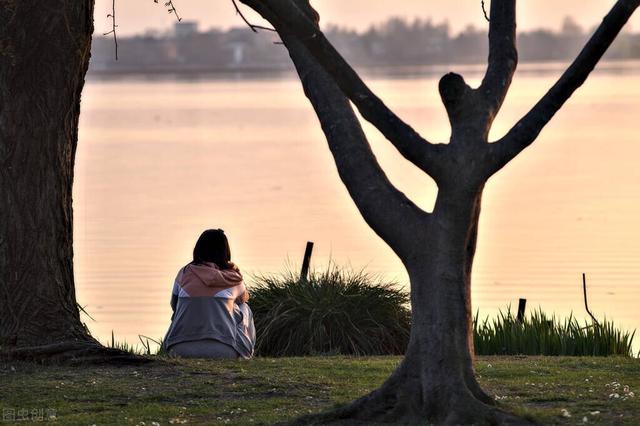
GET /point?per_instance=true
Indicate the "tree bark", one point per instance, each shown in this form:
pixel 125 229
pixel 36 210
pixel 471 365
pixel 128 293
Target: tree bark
pixel 435 383
pixel 439 363
pixel 44 55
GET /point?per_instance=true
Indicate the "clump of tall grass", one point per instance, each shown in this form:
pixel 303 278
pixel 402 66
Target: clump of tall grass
pixel 337 310
pixel 146 342
pixel 540 334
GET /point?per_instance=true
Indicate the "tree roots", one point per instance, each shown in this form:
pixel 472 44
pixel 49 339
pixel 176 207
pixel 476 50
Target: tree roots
pixel 72 353
pixel 376 409
pixel 401 400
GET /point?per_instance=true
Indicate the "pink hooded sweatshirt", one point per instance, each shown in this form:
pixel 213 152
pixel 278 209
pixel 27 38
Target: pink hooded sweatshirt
pixel 203 303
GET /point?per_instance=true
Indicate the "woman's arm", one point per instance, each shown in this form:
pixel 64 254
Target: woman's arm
pixel 174 298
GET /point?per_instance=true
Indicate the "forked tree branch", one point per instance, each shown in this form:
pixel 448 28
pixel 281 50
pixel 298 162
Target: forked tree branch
pixel 296 17
pixel 503 56
pixel 530 126
pixel 382 206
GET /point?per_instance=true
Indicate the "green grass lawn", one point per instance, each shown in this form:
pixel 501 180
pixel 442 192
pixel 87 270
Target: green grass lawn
pixel 551 390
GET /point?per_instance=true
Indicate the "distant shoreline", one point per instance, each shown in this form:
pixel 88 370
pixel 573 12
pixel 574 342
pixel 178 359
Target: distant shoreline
pixel 187 71
pixel 622 66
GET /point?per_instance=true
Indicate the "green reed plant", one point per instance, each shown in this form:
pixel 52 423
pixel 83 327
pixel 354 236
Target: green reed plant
pixel 123 346
pixel 146 348
pixel 540 334
pixel 336 311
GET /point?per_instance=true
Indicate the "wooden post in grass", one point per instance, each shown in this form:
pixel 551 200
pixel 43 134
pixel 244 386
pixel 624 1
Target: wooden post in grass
pixel 304 272
pixel 586 304
pixel 522 303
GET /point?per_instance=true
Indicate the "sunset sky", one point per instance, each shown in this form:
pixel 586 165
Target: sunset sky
pixel 135 16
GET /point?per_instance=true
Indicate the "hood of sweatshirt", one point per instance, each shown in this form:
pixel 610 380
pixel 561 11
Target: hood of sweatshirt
pixel 212 276
pixel 207 279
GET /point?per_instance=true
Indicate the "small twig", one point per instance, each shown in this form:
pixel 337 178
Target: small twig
pixel 157 342
pixel 484 11
pixel 253 27
pixel 246 21
pixel 82 309
pixel 586 305
pixel 171 8
pixel 112 15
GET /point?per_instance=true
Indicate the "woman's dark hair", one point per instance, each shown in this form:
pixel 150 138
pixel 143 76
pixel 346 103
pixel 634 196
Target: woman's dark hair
pixel 213 246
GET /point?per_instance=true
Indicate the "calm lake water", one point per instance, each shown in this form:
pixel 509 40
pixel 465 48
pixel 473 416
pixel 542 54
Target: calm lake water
pixel 159 161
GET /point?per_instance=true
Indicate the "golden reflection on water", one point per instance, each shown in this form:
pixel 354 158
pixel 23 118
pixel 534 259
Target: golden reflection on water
pixel 159 161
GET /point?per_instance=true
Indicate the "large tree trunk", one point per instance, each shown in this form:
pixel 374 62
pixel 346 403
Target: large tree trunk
pixel 436 381
pixel 44 56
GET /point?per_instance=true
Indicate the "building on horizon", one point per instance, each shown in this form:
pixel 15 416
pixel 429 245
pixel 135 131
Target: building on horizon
pixel 184 29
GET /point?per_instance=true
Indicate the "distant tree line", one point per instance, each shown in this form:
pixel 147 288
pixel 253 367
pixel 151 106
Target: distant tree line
pixel 396 42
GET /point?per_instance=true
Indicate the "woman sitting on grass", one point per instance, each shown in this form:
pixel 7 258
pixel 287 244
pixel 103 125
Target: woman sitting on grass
pixel 211 318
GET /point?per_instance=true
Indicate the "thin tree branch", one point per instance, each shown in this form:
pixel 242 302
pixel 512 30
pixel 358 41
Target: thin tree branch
pixel 297 17
pixel 171 8
pixel 112 15
pixel 382 205
pixel 503 56
pixel 530 126
pixel 253 27
pixel 484 11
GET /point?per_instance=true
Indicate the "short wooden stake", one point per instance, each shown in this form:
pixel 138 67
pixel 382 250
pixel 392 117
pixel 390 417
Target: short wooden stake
pixel 304 272
pixel 522 304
